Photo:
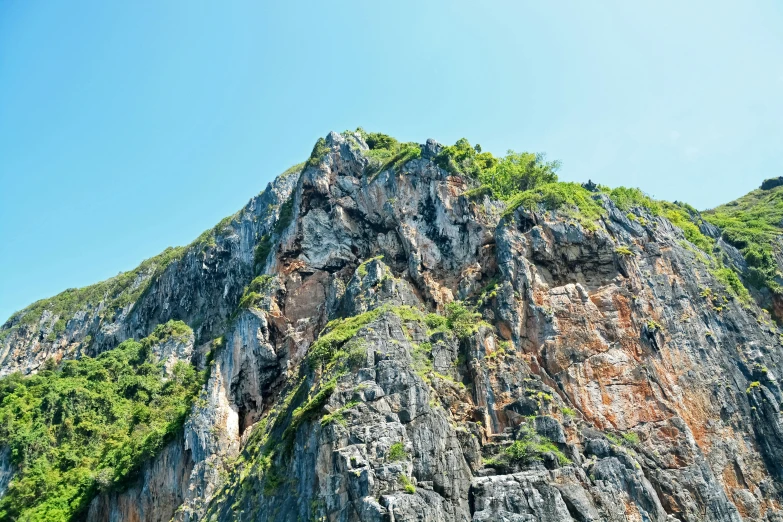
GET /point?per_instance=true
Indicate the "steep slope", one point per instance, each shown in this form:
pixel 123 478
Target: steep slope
pixel 391 333
pixel 754 224
pixel 199 284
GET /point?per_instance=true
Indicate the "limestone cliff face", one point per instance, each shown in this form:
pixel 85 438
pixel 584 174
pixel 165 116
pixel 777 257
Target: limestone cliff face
pixel 606 375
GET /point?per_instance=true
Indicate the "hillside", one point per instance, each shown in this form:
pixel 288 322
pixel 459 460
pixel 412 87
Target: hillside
pixel 401 331
pixel 754 225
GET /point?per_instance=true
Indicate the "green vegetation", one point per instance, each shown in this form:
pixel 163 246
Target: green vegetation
pixel 378 141
pixel 208 238
pixel 407 485
pixel 258 288
pixel 527 451
pixel 528 448
pixel 337 415
pixel 490 291
pixel 461 320
pixel 362 268
pixel 623 251
pixel 386 153
pixel 688 220
pixel 340 331
pixel 570 199
pixel 397 452
pixel 628 438
pixel 286 215
pixel 462 158
pixel 631 438
pixel 653 325
pixel 752 223
pixel 407 313
pixel 732 283
pixel 309 410
pixel 528 181
pixel 435 322
pixel 172 329
pixel 684 217
pixel 320 149
pixel 334 345
pixel 117 292
pixel 263 249
pixel 629 198
pixel 295 169
pixel 88 426
pixel 352 355
pixel 568 412
pixel 502 177
pixel 518 172
pixel 680 214
pixel 422 360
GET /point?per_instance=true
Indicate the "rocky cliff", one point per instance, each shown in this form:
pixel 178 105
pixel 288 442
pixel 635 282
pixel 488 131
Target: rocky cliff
pixel 384 339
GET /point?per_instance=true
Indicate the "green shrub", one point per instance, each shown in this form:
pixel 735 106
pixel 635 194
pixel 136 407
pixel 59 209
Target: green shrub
pixel 629 198
pixel 320 149
pixel 500 177
pixel 631 438
pixel 518 172
pixel 339 332
pixel 653 326
pixel 680 216
pixel 309 410
pixel 532 448
pixel 176 329
pixel 117 292
pixel 397 452
pixel 337 415
pixel 752 224
pixel 286 215
pixel 461 158
pixel 380 141
pixel 89 425
pixel 352 355
pixel 568 412
pixel 258 288
pixel 407 485
pixel 462 321
pixel 263 249
pixel 731 281
pixel 435 321
pixel 384 159
pixel 362 268
pixel 479 193
pixel 624 251
pixel 571 199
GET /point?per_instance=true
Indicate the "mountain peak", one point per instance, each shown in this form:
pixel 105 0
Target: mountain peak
pixel 403 331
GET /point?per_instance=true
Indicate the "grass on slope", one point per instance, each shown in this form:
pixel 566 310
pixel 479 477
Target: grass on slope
pixel 571 199
pixel 117 292
pixel 127 287
pixel 752 223
pixel 88 425
pixel 386 152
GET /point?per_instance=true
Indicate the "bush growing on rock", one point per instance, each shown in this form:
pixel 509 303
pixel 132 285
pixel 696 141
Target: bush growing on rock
pixel 89 424
pixel 397 452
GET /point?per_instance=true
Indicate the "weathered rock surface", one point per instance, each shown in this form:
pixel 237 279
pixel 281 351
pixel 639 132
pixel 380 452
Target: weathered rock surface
pixel 651 392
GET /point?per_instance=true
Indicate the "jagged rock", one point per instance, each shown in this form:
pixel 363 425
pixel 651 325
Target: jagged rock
pixel 332 395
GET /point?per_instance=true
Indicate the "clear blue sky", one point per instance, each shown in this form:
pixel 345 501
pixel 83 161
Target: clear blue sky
pixel 126 127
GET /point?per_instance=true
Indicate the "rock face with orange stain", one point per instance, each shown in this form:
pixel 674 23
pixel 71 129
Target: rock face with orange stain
pixel 590 374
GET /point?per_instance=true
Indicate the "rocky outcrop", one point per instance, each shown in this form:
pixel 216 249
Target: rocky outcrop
pixel 606 373
pixel 155 496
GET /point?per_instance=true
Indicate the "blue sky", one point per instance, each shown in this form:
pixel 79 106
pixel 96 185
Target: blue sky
pixel 126 127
